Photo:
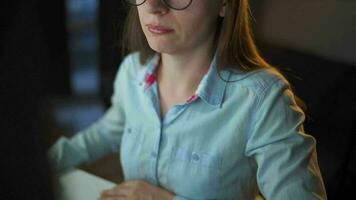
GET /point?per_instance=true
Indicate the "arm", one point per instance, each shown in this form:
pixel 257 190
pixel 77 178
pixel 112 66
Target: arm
pixel 101 138
pixel 285 155
pixel 88 145
pixel 177 197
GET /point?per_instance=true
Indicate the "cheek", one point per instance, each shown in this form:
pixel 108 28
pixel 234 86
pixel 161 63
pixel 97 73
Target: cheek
pixel 196 29
pixel 141 16
pixel 187 27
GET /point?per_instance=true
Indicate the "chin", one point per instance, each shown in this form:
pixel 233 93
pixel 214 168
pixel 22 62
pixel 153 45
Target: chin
pixel 161 47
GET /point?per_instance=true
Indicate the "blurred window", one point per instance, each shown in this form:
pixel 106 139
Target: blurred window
pixel 83 46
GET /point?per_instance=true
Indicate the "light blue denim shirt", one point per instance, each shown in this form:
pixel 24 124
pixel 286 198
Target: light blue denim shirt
pixel 234 140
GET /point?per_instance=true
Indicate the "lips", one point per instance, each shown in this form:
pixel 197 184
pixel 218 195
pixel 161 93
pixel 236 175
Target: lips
pixel 157 29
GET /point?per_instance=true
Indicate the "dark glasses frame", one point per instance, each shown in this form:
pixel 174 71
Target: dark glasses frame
pixel 165 3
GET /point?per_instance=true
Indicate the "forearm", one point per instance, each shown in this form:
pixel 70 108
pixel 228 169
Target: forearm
pixel 84 147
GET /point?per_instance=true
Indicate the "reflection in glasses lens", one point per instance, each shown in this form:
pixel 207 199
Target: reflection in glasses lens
pixel 174 4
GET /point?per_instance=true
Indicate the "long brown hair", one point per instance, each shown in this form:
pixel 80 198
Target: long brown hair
pixel 235 46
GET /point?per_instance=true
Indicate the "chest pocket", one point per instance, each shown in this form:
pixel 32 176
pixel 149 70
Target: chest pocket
pixel 194 174
pixel 131 148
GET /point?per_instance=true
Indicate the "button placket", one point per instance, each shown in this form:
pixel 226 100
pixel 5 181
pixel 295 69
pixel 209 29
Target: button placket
pixel 154 154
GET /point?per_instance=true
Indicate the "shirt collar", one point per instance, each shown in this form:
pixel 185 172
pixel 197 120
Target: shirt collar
pixel 149 68
pixel 211 88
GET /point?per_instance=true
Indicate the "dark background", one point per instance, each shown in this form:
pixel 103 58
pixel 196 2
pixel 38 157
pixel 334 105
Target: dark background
pixel 312 42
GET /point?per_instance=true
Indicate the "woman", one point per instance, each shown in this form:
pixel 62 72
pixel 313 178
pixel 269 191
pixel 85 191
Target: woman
pixel 197 113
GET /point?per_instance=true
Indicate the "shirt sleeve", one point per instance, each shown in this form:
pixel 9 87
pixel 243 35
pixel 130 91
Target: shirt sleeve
pixel 286 158
pixel 102 137
pixel 177 197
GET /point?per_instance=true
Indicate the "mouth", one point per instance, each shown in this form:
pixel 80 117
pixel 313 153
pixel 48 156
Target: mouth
pixel 158 30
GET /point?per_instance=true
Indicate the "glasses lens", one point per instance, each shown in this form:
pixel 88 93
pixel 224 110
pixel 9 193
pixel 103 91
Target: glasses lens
pixel 178 4
pixel 135 2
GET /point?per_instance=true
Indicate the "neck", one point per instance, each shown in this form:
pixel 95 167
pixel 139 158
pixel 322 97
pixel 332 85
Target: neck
pixel 183 72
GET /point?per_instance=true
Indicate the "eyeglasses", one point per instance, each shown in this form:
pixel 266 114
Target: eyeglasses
pixel 174 4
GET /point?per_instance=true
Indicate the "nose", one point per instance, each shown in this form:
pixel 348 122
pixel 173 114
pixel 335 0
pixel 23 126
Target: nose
pixel 156 7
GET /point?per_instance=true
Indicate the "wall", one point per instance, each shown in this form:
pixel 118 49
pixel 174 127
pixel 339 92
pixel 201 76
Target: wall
pixel 323 27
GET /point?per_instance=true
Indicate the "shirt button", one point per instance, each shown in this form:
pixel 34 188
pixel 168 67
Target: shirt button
pixel 129 130
pixel 195 157
pixel 154 154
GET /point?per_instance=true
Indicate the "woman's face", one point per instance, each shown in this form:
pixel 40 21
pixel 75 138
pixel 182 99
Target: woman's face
pixel 176 31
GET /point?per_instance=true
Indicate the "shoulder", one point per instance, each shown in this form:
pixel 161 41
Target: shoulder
pixel 130 67
pixel 259 81
pixel 131 63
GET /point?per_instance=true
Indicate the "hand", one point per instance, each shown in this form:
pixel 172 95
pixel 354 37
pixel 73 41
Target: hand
pixel 136 190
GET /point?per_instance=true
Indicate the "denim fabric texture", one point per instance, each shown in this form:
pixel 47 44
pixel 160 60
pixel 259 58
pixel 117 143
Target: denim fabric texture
pixel 234 140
